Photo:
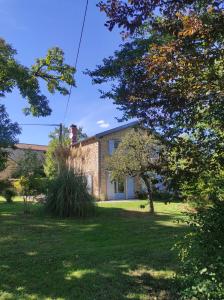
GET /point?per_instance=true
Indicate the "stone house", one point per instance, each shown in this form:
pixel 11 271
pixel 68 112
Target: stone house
pixel 16 153
pixel 89 157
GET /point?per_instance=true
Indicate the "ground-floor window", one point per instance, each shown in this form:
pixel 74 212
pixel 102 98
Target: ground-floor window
pixel 119 186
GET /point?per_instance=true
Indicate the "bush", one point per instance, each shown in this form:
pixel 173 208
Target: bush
pixel 141 195
pixel 7 190
pixel 8 194
pixel 68 196
pixel 164 196
pixel 39 186
pixel 4 184
pixel 202 255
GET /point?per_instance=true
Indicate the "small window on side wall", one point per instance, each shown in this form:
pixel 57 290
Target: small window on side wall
pixel 113 145
pixel 116 144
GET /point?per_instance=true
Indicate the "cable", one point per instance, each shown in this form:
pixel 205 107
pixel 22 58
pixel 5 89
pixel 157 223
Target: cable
pixel 77 56
pixel 32 124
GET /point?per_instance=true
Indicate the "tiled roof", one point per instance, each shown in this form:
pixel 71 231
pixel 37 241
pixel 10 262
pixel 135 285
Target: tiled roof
pixel 31 147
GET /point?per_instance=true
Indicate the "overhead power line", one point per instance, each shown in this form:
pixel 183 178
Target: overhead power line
pixel 77 57
pixel 49 125
pixel 32 124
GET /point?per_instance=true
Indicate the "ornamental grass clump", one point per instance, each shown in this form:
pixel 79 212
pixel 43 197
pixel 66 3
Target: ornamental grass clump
pixel 68 195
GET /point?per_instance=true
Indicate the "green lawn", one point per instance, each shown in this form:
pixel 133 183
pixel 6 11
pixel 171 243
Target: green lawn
pixel 121 253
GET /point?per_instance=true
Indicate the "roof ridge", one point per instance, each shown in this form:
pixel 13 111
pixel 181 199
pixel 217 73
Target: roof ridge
pixel 31 144
pixel 103 133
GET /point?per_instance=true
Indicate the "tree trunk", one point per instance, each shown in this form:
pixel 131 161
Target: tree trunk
pixel 148 184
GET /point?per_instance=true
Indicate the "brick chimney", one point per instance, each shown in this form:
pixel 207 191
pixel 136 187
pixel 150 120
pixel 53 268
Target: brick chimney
pixel 73 133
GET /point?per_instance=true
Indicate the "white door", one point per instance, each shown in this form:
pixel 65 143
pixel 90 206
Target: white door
pixel 130 187
pixel 119 189
pixel 115 189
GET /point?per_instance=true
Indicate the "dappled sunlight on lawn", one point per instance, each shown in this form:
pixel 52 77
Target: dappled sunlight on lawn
pixel 121 253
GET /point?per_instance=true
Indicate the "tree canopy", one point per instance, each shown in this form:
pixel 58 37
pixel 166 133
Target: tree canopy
pixel 51 69
pixel 138 154
pixel 169 74
pixel 8 135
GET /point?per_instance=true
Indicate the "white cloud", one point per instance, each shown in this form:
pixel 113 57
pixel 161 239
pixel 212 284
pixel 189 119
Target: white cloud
pixel 103 124
pixel 100 122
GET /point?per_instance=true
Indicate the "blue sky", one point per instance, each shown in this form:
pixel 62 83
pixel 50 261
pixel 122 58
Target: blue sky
pixel 34 26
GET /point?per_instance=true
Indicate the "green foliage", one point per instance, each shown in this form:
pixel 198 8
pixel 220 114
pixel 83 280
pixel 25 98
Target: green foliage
pixel 201 255
pixel 207 188
pixel 29 170
pixel 8 133
pixel 4 184
pixel 138 154
pixel 169 74
pixel 68 195
pixel 35 186
pixel 50 164
pixel 51 161
pixel 50 69
pixel 196 169
pixel 8 194
pixel 141 195
pixel 7 190
pixel 29 164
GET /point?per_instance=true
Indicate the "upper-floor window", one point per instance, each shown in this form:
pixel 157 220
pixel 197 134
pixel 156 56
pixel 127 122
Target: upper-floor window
pixel 116 144
pixel 113 145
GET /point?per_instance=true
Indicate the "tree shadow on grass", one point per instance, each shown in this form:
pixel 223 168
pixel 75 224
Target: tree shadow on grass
pixel 117 254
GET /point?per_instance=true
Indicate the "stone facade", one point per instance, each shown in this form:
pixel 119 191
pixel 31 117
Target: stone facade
pixel 103 155
pixel 85 159
pixel 90 158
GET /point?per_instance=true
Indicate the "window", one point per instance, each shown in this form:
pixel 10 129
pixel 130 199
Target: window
pixel 113 144
pixel 116 144
pixel 118 186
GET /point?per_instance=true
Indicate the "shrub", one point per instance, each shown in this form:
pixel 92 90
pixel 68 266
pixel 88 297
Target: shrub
pixel 4 184
pixel 164 196
pixel 7 190
pixel 141 195
pixel 68 196
pixel 8 194
pixel 201 255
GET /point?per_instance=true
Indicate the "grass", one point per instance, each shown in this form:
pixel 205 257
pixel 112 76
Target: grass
pixel 121 253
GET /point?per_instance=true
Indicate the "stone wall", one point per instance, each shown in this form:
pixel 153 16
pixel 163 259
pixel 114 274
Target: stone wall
pixel 85 159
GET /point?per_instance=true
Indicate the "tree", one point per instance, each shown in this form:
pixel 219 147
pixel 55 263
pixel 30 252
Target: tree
pixel 200 252
pixel 196 169
pixel 169 73
pixel 8 133
pixel 29 170
pixel 54 146
pixel 138 154
pixel 51 69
